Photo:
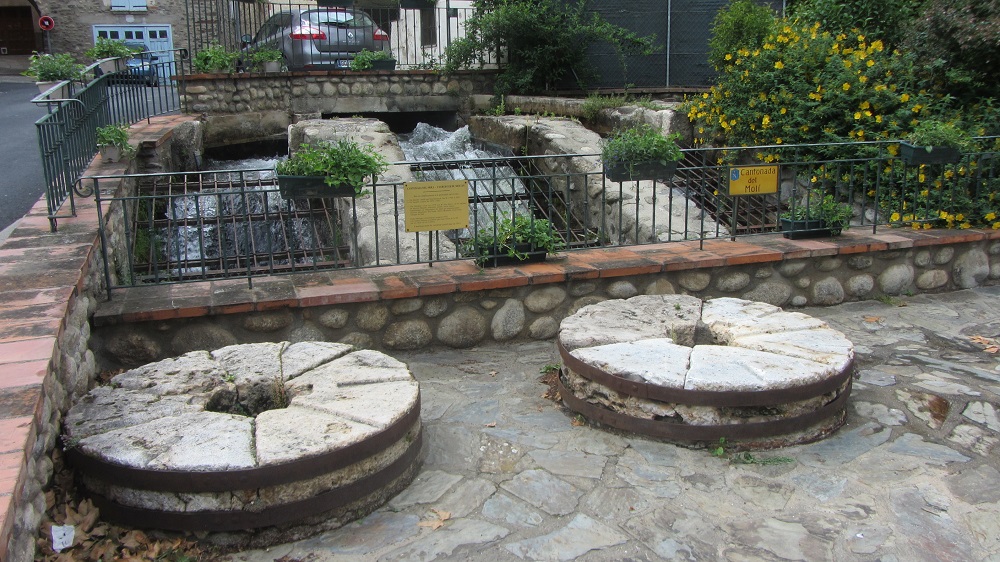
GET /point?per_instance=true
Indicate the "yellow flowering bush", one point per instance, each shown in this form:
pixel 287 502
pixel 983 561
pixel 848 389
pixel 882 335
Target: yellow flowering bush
pixel 806 85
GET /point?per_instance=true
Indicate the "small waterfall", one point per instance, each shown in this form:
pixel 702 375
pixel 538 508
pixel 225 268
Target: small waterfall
pixel 496 187
pixel 221 238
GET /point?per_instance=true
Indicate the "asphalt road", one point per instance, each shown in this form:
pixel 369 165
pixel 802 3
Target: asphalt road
pixel 21 180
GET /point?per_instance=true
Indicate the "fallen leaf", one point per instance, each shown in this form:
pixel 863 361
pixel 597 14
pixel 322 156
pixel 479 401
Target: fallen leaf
pixel 493 373
pixel 491 424
pixel 442 515
pixel 577 422
pixel 873 318
pixel 980 340
pixel 992 349
pixel 432 525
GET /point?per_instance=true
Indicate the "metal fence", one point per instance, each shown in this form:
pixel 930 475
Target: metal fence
pixel 415 37
pixel 123 93
pixel 176 228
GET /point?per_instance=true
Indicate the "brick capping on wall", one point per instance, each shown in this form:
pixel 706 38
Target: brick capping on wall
pixel 50 285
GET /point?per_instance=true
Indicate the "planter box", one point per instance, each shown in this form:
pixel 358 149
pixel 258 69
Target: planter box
pixel 272 66
pixel 111 153
pixel 492 259
pixel 795 229
pixel 640 171
pixel 383 64
pixel 292 187
pixel 916 154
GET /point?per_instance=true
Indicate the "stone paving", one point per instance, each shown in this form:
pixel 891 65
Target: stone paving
pixel 509 475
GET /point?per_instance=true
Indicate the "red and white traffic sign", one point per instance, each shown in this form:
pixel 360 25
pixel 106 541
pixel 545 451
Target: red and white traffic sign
pixel 46 23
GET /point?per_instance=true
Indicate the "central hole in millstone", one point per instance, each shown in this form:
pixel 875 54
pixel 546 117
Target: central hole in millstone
pixel 249 398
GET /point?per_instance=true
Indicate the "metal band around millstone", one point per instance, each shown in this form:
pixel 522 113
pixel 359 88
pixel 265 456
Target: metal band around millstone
pixel 730 398
pixel 245 478
pixel 689 433
pixel 237 520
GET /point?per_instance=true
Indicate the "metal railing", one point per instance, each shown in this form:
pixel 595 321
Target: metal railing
pixel 67 135
pixel 175 228
pixel 415 37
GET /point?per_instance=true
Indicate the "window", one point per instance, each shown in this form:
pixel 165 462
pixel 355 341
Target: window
pixel 428 27
pixel 128 5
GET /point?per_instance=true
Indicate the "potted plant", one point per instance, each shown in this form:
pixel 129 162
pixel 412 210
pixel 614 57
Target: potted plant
pixel 640 153
pixel 214 59
pixel 935 142
pixel 513 239
pixel 267 59
pixel 112 140
pixel 106 52
pixel 49 69
pixel 817 216
pixel 373 60
pixel 329 169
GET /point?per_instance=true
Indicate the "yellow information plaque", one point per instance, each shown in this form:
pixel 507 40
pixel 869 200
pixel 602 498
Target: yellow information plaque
pixel 753 180
pixel 436 205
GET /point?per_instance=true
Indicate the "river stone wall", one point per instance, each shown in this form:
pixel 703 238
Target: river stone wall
pixel 533 312
pixel 343 92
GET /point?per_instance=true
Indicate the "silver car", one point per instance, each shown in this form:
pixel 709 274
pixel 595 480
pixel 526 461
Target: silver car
pixel 320 38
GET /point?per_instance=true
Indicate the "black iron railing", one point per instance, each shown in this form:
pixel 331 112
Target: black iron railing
pixel 175 228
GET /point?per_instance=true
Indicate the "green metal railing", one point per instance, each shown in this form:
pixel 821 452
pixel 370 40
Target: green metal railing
pixel 67 135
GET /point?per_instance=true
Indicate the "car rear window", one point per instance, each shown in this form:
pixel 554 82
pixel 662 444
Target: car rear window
pixel 338 18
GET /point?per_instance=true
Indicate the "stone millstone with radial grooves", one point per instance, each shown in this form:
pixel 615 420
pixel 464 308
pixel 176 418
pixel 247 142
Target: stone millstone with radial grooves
pixel 290 439
pixel 691 372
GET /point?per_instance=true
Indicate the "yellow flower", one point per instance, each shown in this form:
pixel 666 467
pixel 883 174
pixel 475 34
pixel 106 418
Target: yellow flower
pixel 870 63
pixel 996 226
pixel 847 63
pixel 917 108
pixel 927 226
pixel 893 149
pixel 864 105
pixel 814 179
pixel 846 86
pixel 878 118
pixel 894 217
pixel 904 98
pixel 779 65
pixel 990 216
pixel 877 45
pixel 729 56
pixel 783 111
pixel 965 225
pixel 857 115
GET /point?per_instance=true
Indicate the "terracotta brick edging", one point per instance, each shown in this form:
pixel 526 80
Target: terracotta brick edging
pixel 51 285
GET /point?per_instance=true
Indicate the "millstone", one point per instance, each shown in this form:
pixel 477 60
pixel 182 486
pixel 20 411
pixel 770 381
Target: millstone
pixel 693 372
pixel 255 444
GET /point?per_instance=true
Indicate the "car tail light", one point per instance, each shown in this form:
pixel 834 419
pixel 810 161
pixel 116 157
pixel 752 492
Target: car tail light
pixel 380 35
pixel 306 33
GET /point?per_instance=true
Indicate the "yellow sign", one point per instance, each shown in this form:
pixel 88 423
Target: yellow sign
pixel 753 180
pixel 436 205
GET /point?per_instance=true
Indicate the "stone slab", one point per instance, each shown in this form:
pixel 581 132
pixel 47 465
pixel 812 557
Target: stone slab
pixel 655 361
pixel 724 368
pixel 638 318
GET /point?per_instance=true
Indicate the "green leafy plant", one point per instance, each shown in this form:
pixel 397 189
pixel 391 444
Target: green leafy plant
pixel 930 133
pixel 115 135
pixel 52 68
pixel 109 48
pixel 342 163
pixel 643 143
pixel 817 206
pixel 543 41
pixel 743 24
pixel 214 58
pixel 510 236
pixel 364 59
pixel 259 56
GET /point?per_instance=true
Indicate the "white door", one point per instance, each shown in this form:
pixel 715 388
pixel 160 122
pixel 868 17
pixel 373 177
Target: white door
pixel 154 37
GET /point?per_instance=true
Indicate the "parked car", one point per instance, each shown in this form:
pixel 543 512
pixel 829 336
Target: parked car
pixel 141 67
pixel 319 38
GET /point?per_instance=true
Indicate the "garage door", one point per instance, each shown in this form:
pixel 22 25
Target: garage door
pixel 154 37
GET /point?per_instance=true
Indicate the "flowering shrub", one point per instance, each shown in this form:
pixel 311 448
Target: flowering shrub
pixel 806 85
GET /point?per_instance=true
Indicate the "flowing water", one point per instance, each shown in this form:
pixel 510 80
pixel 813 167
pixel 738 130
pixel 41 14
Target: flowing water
pixel 290 227
pixel 494 186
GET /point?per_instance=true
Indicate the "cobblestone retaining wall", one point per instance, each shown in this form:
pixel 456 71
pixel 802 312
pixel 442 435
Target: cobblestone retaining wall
pixel 533 312
pixel 342 92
